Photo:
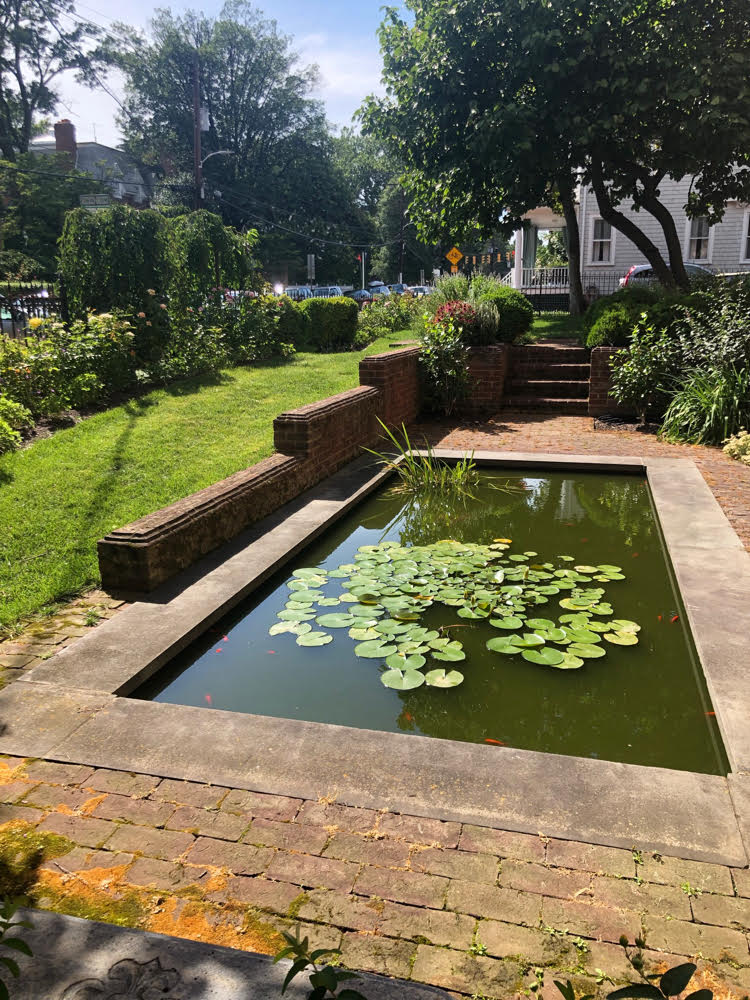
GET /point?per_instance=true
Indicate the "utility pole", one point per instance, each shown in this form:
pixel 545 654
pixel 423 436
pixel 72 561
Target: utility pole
pixel 197 164
pixel 401 242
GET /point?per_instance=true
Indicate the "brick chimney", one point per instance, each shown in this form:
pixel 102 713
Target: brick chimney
pixel 65 139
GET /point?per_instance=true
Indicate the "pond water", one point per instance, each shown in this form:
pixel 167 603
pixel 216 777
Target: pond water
pixel 643 704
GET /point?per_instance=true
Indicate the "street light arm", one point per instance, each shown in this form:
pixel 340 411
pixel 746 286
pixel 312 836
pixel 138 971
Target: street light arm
pixel 219 152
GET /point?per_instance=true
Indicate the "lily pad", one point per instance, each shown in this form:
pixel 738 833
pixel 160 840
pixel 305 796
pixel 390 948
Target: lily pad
pixel 527 639
pixel 295 616
pixel 546 657
pixel 328 602
pixel 570 662
pixel 579 635
pixel 295 628
pixel 623 625
pixel 536 623
pixel 336 621
pixel 373 649
pixel 449 654
pixel 362 634
pixel 510 622
pixel 400 662
pixel 314 639
pixel 503 644
pixel 402 680
pixel 622 638
pixel 444 679
pixel 586 650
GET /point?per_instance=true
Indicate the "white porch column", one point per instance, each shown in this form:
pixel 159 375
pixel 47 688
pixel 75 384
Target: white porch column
pixel 518 260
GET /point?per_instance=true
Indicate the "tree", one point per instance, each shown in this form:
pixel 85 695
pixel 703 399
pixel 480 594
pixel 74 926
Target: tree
pixel 37 192
pixel 552 251
pixel 36 47
pixel 500 107
pixel 284 177
pixel 394 227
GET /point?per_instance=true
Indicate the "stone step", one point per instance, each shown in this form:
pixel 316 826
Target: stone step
pixel 551 372
pixel 551 354
pixel 549 389
pixel 530 404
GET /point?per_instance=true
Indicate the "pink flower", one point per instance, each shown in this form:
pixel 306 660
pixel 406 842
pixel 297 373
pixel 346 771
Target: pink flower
pixel 141 315
pixel 162 306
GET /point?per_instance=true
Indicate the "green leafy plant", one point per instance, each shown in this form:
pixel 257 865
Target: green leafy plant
pixel 325 979
pixel 642 375
pixel 613 328
pixel 515 312
pixel 420 471
pixel 8 909
pixel 444 365
pixel 710 405
pixel 692 891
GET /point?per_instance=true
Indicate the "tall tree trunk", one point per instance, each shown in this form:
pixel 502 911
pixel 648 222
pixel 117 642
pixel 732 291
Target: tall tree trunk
pixel 628 228
pixel 666 220
pixel 567 199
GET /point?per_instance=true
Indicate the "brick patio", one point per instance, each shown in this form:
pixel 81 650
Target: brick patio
pixel 475 910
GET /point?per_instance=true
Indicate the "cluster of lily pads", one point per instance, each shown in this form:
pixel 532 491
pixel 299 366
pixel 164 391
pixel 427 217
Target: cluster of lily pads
pixel 388 587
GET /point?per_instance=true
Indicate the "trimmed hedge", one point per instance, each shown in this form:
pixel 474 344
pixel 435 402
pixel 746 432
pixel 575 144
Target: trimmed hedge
pixel 328 324
pixel 514 311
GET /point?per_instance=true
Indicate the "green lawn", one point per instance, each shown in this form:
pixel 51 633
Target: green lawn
pixel 63 493
pixel 554 325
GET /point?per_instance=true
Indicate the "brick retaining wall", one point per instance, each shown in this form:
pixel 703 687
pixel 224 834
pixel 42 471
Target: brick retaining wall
pixel 488 367
pixel 600 383
pixel 311 443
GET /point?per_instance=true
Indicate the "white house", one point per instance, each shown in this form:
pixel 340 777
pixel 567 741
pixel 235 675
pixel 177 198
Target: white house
pixel 607 255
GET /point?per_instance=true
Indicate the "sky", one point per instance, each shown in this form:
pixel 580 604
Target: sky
pixel 339 36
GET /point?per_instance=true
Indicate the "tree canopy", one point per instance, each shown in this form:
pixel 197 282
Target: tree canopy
pixel 498 106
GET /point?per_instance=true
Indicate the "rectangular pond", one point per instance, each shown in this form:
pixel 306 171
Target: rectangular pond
pixel 610 673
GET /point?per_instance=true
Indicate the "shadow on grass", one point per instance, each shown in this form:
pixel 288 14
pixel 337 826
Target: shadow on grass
pixel 187 386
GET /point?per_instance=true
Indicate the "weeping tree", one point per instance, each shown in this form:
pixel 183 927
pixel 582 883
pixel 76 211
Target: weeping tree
pixel 499 106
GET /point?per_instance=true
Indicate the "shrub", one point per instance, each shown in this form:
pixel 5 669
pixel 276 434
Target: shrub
pixel 448 288
pixel 15 415
pixel 514 311
pixel 386 315
pixel 709 406
pixel 291 321
pixel 488 324
pixel 9 438
pixel 193 349
pixel 444 365
pixel 738 446
pixel 251 329
pixel 464 317
pixel 329 324
pixel 634 299
pixel 643 374
pixel 613 328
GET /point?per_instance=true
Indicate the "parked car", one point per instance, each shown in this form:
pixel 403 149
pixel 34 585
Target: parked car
pixel 379 290
pixel 299 292
pixel 419 290
pixel 327 291
pixel 398 289
pixel 644 274
pixel 360 295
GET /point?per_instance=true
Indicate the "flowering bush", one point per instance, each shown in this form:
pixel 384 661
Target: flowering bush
pixel 63 368
pixel 737 446
pixel 464 317
pixel 13 418
pixel 443 364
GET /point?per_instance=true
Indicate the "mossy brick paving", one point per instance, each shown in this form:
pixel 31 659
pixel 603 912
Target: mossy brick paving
pixel 469 929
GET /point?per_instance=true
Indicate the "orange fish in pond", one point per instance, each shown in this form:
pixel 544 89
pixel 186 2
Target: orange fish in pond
pixel 584 539
pixel 225 639
pixel 674 618
pixel 497 743
pixel 218 649
pixel 270 650
pixel 634 555
pixel 208 699
pixel 658 617
pixel 710 713
pixel 409 717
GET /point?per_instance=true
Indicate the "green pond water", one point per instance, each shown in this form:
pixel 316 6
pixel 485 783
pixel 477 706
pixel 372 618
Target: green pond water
pixel 641 704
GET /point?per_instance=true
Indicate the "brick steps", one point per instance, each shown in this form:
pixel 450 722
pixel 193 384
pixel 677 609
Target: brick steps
pixel 549 388
pixel 549 377
pixel 529 404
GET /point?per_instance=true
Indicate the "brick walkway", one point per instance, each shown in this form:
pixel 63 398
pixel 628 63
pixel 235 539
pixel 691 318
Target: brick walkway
pixel 479 911
pixel 472 909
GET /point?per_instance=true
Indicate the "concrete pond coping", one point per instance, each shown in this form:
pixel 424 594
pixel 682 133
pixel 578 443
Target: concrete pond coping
pixel 75 707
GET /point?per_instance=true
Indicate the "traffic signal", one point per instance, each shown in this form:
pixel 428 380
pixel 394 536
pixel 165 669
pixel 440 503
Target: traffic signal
pixel 359 256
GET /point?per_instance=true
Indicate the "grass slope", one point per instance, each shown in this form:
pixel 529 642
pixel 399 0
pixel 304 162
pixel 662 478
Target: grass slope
pixel 63 493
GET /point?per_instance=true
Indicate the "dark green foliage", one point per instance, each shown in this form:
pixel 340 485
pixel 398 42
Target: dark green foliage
pixel 514 309
pixel 634 299
pixel 291 321
pixel 109 259
pixel 329 324
pixel 443 365
pixel 18 946
pixel 613 328
pixel 709 406
pixel 204 254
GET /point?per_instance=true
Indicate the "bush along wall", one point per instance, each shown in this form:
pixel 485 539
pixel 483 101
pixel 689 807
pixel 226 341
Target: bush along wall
pixel 328 324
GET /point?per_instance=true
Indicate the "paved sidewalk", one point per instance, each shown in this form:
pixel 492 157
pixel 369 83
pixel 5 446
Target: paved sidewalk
pixel 471 909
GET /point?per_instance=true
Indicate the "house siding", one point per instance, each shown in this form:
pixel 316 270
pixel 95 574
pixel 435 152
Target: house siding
pixel 725 248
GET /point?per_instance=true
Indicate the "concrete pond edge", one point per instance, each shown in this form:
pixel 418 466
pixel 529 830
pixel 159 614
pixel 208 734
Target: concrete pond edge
pixel 75 707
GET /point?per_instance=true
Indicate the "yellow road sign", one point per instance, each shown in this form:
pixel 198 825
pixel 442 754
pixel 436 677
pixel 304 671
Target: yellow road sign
pixel 454 255
pixel 454 269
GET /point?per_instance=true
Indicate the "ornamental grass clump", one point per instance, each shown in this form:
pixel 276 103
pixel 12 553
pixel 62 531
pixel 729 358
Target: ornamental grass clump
pixel 420 472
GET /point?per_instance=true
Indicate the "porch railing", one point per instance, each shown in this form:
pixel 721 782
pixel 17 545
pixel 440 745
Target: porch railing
pixel 21 302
